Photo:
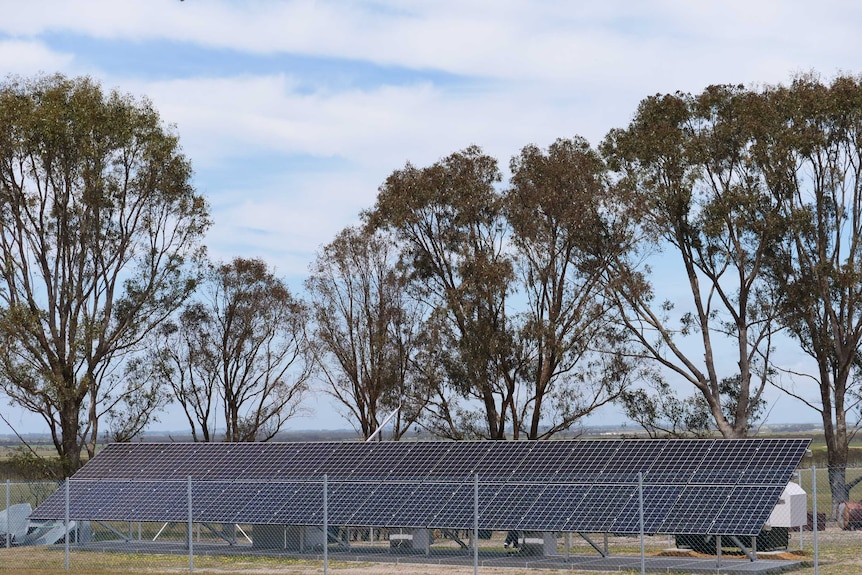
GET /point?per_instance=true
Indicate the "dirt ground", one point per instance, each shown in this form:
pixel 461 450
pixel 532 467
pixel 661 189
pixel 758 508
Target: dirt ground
pixel 840 553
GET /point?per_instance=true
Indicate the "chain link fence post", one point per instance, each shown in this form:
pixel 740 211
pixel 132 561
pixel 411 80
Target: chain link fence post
pixel 641 519
pixel 66 526
pixel 190 533
pixel 816 526
pixel 476 524
pixel 8 505
pixel 325 524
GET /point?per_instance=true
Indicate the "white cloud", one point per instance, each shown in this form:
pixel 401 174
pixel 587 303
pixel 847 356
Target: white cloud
pixel 28 57
pixel 511 40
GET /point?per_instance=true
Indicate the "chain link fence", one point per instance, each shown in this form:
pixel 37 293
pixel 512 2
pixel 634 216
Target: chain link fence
pixel 827 540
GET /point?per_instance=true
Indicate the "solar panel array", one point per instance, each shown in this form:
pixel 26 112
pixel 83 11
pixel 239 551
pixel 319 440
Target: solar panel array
pixel 714 486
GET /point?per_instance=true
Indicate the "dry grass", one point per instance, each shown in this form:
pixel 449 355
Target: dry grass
pixel 840 554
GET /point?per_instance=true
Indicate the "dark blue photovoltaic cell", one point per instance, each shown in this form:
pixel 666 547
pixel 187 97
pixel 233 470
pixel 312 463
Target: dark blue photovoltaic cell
pixel 101 499
pixel 587 460
pixel 555 506
pixel 508 507
pixel 378 463
pixel 599 508
pixel 459 461
pixel 776 458
pixel 631 458
pixel 220 501
pixel 545 461
pixel 747 504
pixel 725 463
pixel 425 502
pixel 382 505
pixel 696 508
pixel 658 501
pixel 678 461
pixel 690 486
pixel 159 501
pixel 346 499
pixel 302 506
pixel 502 460
pixel 344 459
pixel 262 503
pixel 458 511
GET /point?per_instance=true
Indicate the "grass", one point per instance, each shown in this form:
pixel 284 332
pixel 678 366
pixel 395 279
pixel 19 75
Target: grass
pixel 39 561
pixel 839 555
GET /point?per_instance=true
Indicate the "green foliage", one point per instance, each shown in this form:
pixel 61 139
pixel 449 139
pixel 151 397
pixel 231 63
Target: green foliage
pixel 490 365
pixel 99 230
pixel 688 166
pixel 366 328
pixel 242 339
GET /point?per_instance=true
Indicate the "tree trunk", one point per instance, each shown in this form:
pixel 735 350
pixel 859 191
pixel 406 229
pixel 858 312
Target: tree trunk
pixel 70 450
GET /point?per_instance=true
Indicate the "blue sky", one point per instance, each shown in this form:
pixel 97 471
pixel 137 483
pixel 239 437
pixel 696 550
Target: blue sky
pixel 294 112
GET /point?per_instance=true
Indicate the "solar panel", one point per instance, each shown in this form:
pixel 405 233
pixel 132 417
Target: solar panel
pixel 587 460
pixel 629 459
pixel 378 463
pixel 507 508
pixel 690 486
pixel 555 506
pixel 459 460
pixel 695 509
pixel 382 504
pixel 657 503
pixel 502 460
pixel 678 462
pixel 419 459
pixel 220 501
pixel 458 509
pixel 744 509
pixel 424 503
pixel 303 505
pixel 725 462
pixel 305 460
pixel 599 508
pixel 544 461
pixel 263 506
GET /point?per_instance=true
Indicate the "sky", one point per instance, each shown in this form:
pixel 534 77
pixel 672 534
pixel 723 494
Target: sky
pixel 294 112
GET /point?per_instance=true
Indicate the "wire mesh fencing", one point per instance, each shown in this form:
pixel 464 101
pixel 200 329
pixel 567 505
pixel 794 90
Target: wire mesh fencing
pixel 187 526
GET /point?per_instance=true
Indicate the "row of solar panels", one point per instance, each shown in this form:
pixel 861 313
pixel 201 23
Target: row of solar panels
pixel 740 510
pixel 661 461
pixel 691 486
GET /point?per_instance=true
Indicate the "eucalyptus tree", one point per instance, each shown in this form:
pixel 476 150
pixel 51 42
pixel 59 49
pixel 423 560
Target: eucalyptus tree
pixel 566 232
pixel 812 155
pixel 365 331
pixel 687 165
pixel 98 226
pixel 449 219
pixel 239 350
